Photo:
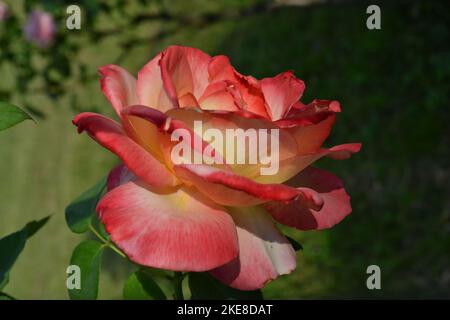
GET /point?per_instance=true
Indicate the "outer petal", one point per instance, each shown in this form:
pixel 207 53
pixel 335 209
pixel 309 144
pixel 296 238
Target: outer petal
pixel 165 127
pixel 311 137
pixel 310 124
pixel 281 92
pixel 118 86
pixel 292 166
pixel 146 134
pixel 312 113
pixel 264 253
pixel 150 89
pixel 336 202
pixel 228 189
pixel 110 135
pixel 180 231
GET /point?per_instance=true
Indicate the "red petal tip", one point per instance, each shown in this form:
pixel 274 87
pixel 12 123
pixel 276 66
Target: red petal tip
pixel 154 116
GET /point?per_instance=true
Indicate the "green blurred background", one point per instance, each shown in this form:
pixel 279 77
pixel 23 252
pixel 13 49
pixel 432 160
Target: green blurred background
pixel 393 85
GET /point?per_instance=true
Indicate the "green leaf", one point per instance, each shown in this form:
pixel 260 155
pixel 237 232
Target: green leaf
pixel 32 227
pixel 297 246
pixel 10 248
pixel 11 115
pixel 12 245
pixel 87 256
pixel 80 212
pixel 141 286
pixel 5 281
pixel 5 296
pixel 204 286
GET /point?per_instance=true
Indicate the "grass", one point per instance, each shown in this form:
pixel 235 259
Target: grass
pixel 393 86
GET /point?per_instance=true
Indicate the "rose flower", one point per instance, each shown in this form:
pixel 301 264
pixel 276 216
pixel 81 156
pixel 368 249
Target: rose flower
pixel 216 217
pixel 40 28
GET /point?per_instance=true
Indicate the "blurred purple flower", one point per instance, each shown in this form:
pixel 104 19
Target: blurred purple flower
pixel 40 28
pixel 4 11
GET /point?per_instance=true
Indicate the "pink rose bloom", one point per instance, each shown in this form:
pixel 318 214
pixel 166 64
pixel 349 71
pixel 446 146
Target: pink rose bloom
pixel 4 11
pixel 218 218
pixel 40 28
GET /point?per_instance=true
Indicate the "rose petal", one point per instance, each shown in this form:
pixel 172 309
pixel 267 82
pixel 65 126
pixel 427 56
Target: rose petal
pixel 312 113
pixel 229 189
pixel 179 230
pixel 250 128
pixel 311 137
pixel 118 176
pixel 264 253
pixel 144 133
pixel 110 135
pixel 220 95
pixel 150 89
pixel 188 101
pixel 167 126
pixel 281 92
pixel 249 88
pixel 119 86
pixel 292 166
pixel 220 69
pixel 184 70
pixel 336 202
